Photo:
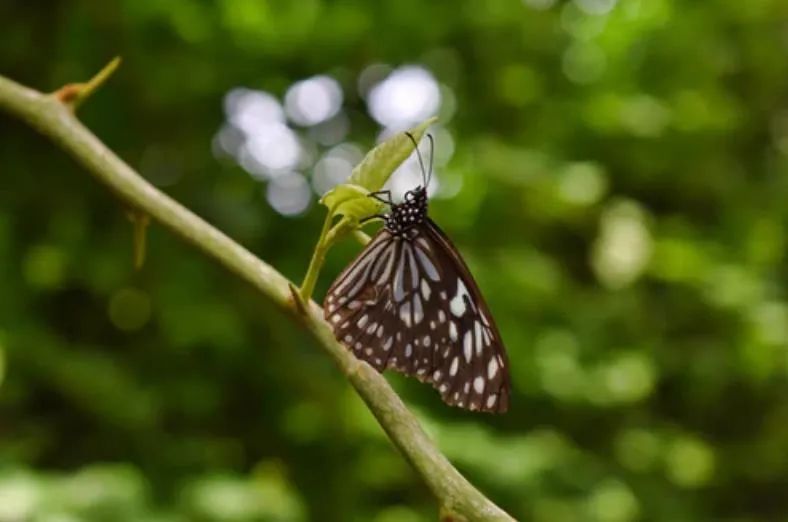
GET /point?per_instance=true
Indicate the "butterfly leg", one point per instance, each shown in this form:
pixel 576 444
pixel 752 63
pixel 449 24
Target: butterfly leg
pixel 370 218
pixel 377 195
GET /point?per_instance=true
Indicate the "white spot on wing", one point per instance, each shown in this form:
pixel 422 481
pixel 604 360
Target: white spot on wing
pixel 457 303
pixel 429 267
pixel 408 350
pixel 404 314
pixel 388 343
pixel 418 311
pixel 491 400
pixel 399 277
pixel 452 331
pixel 478 385
pixel 455 365
pixel 441 316
pixel 492 368
pixel 425 290
pixel 467 342
pixel 362 321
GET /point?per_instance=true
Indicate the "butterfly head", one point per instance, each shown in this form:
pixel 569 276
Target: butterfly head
pixel 408 214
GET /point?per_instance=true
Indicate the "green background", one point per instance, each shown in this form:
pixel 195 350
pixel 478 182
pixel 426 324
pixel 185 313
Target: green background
pixel 618 175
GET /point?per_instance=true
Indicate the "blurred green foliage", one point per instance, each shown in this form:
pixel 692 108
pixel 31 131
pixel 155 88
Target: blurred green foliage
pixel 618 185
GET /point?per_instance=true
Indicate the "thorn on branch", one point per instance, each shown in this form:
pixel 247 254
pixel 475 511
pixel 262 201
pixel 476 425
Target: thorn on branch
pixel 298 302
pixel 73 94
pixel 139 222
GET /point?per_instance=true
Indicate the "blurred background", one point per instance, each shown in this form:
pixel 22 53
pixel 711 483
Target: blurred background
pixel 614 172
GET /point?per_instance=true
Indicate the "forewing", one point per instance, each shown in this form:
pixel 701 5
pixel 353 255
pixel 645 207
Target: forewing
pixel 358 304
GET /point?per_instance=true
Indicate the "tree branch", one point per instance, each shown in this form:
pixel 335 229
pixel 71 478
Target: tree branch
pixel 459 500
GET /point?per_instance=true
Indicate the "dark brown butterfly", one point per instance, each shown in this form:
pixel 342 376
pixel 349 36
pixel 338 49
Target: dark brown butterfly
pixel 408 302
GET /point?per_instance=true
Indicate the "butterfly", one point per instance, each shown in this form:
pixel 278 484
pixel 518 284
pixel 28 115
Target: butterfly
pixel 408 302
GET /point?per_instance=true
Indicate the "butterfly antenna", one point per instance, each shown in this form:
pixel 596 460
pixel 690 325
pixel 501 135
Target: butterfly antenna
pixel 432 156
pixel 421 161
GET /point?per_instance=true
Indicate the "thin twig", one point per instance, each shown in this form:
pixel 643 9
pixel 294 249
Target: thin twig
pixel 457 497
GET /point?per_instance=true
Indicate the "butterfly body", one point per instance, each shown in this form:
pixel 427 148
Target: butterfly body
pixel 409 303
pixel 406 216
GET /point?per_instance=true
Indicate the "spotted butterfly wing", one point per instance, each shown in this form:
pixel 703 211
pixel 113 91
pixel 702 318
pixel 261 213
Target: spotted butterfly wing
pixel 408 302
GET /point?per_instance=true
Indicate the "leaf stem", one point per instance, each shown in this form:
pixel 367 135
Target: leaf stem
pixel 318 258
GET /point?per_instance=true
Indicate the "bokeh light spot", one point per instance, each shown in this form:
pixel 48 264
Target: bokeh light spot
pixel 769 321
pixel 405 97
pixel 644 116
pixel 629 378
pixel 331 131
pixel 129 309
pixel 275 147
pixel 335 167
pixel 596 7
pixel 583 63
pixel 637 449
pixel 20 496
pixel 578 24
pixel 582 183
pixel 248 109
pixel 689 462
pixel 557 359
pixel 623 248
pixel 313 100
pixel 612 501
pixel 289 194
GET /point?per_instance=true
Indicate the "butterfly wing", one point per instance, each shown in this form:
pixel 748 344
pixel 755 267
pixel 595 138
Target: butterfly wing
pixel 411 304
pixel 474 370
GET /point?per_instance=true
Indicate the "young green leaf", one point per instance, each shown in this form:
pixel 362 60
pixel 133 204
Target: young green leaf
pixel 383 160
pixel 350 199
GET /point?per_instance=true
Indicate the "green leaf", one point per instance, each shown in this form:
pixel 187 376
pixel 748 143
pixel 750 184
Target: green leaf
pixel 384 159
pixel 351 198
pixel 351 201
